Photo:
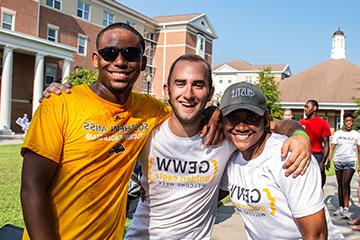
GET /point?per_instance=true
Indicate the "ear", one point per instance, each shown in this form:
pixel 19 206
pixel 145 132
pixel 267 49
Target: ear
pixel 166 90
pixel 143 63
pixel 211 93
pixel 95 60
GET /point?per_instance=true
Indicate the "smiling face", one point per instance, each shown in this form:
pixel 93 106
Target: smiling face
pixel 120 75
pixel 348 123
pixel 246 130
pixel 189 91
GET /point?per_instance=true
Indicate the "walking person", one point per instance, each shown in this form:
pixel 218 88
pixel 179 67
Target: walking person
pixel 344 150
pixel 272 206
pixel 319 132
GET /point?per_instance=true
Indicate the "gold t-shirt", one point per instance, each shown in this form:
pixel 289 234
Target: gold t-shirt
pixel 95 144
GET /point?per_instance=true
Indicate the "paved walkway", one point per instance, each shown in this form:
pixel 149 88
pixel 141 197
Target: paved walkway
pixel 12 139
pixel 229 224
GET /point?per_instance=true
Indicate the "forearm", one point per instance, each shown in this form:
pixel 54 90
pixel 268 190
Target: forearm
pixel 38 213
pixel 285 127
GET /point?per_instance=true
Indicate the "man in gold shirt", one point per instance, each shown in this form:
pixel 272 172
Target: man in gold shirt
pixel 81 147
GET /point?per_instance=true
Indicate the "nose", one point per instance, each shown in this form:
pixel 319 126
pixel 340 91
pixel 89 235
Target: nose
pixel 120 61
pixel 188 92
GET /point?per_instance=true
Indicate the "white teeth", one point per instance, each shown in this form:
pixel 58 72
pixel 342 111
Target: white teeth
pixel 241 136
pixel 119 74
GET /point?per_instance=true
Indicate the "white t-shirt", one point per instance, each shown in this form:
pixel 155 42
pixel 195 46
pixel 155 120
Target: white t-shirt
pixel 268 201
pixel 346 145
pixel 181 179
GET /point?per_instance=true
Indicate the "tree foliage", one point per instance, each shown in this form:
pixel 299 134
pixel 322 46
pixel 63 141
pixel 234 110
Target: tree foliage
pixel 271 91
pixel 357 112
pixel 82 75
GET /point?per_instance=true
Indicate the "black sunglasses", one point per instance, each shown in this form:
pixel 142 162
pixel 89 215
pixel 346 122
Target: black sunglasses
pixel 110 54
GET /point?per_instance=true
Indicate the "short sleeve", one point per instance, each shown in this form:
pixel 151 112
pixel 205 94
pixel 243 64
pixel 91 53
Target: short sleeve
pixel 358 138
pixel 335 138
pixel 45 134
pixel 304 193
pixel 326 129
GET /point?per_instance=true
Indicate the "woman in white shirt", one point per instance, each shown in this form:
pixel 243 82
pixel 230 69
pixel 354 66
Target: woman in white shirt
pixel 271 205
pixel 344 149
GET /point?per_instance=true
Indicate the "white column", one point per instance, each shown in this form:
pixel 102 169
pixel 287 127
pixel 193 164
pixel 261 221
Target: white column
pixel 38 81
pixel 66 69
pixel 6 90
pixel 341 117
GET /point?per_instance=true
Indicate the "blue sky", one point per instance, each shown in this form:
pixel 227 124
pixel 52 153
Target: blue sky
pixel 291 32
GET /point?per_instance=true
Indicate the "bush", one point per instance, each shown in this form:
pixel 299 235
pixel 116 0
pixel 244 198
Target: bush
pixel 82 75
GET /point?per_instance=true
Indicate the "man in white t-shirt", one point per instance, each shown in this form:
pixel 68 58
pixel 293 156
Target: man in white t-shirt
pixel 180 177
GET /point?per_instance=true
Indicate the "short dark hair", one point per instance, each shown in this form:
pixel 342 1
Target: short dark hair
pixel 348 114
pixel 314 103
pixel 190 58
pixel 124 26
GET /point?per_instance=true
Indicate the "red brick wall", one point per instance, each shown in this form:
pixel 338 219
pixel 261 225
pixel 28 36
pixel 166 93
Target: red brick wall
pixel 69 28
pixel 26 14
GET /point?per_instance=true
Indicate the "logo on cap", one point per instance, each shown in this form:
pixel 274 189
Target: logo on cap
pixel 242 92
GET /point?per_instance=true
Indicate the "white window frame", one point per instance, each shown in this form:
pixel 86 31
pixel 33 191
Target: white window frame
pixel 78 44
pixel 199 51
pixel 53 4
pixel 106 18
pixel 9 12
pixel 56 28
pixel 83 10
pixel 50 65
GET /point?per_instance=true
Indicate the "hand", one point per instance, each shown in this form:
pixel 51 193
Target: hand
pixel 299 159
pixel 212 126
pixel 56 88
pixel 328 165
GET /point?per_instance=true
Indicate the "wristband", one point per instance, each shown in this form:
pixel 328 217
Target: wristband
pixel 301 132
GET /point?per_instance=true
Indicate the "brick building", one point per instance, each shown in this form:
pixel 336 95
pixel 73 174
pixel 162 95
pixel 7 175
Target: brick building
pixel 42 41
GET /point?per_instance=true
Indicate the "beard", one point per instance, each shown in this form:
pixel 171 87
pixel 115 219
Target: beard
pixel 186 121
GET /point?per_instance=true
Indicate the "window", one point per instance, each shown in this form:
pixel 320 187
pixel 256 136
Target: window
pixel 52 33
pixel 50 73
pixel 150 52
pixel 338 123
pixel 130 23
pixel 54 4
pixel 200 45
pixel 8 19
pixel 1 62
pixel 150 35
pixel 83 10
pixel 146 83
pixel 229 80
pixel 82 44
pixel 220 81
pixel 108 19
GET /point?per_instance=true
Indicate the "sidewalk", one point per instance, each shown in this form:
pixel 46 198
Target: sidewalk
pixel 229 224
pixel 11 139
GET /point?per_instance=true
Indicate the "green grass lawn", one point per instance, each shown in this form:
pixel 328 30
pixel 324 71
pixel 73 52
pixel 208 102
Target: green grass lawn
pixel 10 172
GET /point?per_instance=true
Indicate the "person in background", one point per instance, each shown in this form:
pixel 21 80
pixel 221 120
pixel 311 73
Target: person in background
pixel 271 205
pixel 287 114
pixel 344 150
pixel 319 132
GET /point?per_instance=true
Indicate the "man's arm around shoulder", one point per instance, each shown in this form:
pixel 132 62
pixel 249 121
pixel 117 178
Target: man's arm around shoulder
pixel 36 178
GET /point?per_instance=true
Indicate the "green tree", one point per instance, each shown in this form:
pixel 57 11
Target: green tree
pixel 357 112
pixel 82 75
pixel 271 91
